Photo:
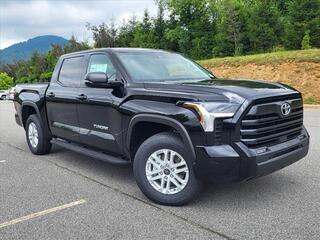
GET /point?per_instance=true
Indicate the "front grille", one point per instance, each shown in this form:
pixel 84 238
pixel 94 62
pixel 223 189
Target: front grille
pixel 218 130
pixel 264 124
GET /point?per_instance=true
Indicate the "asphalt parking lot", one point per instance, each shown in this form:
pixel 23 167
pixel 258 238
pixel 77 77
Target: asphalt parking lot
pixel 64 195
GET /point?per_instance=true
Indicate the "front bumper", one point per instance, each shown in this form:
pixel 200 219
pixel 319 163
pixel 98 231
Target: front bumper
pixel 237 162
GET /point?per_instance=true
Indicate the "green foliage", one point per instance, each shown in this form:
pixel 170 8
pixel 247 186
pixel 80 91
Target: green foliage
pixel 263 27
pixel 302 15
pixel 103 35
pixel 311 100
pixel 230 37
pixel 199 29
pixel 194 28
pixel 305 44
pixel 126 32
pixel 144 36
pixel 5 81
pixel 206 28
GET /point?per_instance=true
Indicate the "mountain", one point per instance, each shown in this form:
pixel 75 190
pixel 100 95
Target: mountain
pixel 24 50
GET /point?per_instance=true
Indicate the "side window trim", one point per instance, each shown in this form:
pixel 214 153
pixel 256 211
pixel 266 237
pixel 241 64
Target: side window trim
pixel 60 67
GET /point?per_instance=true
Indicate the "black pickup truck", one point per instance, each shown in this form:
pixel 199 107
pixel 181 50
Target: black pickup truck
pixel 173 120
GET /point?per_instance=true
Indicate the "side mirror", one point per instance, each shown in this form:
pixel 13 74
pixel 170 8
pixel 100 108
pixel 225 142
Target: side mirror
pixel 96 79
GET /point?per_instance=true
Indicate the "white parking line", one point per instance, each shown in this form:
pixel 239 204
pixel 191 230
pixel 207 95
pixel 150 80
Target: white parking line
pixel 38 214
pixel 2 161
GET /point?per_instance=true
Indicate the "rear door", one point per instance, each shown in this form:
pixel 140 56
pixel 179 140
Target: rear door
pixel 99 120
pixel 62 98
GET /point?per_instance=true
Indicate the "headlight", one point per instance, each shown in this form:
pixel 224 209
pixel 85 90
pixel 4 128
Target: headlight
pixel 209 111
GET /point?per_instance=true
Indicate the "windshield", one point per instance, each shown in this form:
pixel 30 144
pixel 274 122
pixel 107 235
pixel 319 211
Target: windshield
pixel 161 67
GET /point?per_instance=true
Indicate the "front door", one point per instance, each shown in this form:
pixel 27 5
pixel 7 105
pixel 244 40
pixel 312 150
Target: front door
pixel 99 120
pixel 62 99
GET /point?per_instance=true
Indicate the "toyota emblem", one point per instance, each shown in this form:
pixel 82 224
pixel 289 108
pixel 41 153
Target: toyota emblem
pixel 285 109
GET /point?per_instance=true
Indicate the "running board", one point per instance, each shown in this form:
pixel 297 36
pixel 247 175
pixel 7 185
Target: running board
pixel 89 152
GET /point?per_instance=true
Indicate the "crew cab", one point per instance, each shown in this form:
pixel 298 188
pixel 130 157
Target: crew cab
pixel 173 120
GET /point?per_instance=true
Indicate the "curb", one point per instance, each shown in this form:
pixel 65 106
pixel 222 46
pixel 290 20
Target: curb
pixel 311 105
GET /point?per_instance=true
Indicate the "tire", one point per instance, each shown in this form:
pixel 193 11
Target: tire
pixel 159 145
pixel 3 97
pixel 43 144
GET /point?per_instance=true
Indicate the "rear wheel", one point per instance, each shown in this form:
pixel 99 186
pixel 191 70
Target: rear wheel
pixel 37 139
pixel 163 170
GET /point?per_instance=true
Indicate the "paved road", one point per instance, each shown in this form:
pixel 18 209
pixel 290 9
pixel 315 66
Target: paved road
pixel 284 205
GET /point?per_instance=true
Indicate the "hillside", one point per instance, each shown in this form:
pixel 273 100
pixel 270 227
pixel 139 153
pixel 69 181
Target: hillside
pixel 299 69
pixel 23 50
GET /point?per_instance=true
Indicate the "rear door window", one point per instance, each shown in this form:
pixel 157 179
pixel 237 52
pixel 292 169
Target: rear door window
pixel 71 72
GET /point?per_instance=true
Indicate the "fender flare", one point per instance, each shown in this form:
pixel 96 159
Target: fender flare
pixel 162 120
pixel 33 105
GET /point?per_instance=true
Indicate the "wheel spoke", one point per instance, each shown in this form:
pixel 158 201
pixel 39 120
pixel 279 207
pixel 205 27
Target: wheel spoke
pixel 168 186
pixel 177 177
pixel 157 170
pixel 162 184
pixel 165 157
pixel 154 163
pixel 156 159
pixel 155 177
pixel 179 164
pixel 184 169
pixel 175 182
pixel 172 154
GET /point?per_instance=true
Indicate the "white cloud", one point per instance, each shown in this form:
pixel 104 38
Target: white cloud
pixel 21 20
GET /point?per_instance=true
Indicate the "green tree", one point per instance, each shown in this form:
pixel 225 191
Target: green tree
pixel 73 45
pixel 195 30
pixel 126 32
pixel 263 26
pixel 305 44
pixel 230 28
pixel 104 35
pixel 160 25
pixel 144 33
pixel 302 15
pixel 37 66
pixel 5 81
pixel 53 55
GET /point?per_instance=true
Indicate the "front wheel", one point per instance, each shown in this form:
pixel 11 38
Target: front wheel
pixel 163 170
pixel 37 139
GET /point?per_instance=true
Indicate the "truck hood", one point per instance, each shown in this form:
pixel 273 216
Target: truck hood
pixel 222 90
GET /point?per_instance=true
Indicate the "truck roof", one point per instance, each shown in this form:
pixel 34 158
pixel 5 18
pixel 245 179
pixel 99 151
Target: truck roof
pixel 115 50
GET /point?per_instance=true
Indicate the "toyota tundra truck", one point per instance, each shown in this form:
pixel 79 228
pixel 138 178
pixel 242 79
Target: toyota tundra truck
pixel 174 121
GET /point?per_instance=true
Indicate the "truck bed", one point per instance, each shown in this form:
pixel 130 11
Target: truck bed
pixel 38 88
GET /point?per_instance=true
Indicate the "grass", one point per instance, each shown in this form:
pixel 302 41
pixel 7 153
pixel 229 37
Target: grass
pixel 310 55
pixel 311 100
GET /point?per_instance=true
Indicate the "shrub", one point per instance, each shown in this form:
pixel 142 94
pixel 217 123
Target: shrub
pixel 5 81
pixel 305 43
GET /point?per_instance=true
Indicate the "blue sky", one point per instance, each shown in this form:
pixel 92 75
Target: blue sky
pixel 24 19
